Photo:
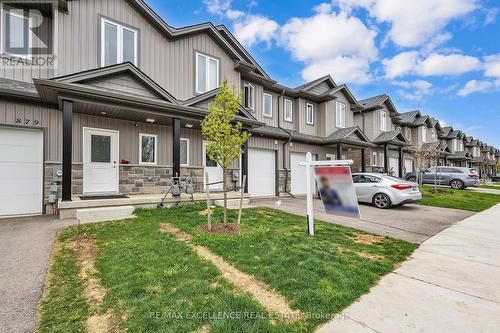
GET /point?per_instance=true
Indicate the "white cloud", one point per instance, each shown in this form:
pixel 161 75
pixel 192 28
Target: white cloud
pixel 415 90
pixel 323 8
pixel 342 69
pixel 401 64
pixel 329 42
pixel 452 64
pixel 233 14
pixel 492 65
pixel 474 86
pixel 254 29
pixel 413 23
pixel 218 7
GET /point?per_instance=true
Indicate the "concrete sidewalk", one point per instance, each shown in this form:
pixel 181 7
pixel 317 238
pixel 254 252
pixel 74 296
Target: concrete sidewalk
pixel 483 190
pixel 450 284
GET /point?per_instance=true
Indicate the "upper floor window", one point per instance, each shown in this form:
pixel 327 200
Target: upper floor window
pixel 118 43
pixel 267 110
pixel 455 145
pixel 207 73
pixel 383 120
pixel 309 114
pixel 288 110
pixel 433 135
pixel 339 114
pixel 408 134
pixel 16 37
pixel 249 96
pixel 424 134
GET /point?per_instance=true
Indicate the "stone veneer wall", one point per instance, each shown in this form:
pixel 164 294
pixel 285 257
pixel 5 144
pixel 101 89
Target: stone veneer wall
pixel 133 179
pixel 282 181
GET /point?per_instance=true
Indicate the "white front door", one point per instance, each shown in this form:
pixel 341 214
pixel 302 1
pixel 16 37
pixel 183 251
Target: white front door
pixel 261 172
pixel 215 172
pixel 100 161
pixel 408 165
pixel 298 173
pixel 394 166
pixel 21 171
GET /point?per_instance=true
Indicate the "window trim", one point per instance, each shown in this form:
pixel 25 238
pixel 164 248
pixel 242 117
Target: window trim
pixel 187 151
pixel 264 105
pixel 383 120
pixel 251 105
pixel 312 114
pixel 423 133
pixel 408 133
pixel 141 135
pixel 340 114
pixel 290 120
pixel 3 32
pixel 207 74
pixel 119 41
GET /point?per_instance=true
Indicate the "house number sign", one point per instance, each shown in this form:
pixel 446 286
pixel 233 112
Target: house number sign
pixel 27 122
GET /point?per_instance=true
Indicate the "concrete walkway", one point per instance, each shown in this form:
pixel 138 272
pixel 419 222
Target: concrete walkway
pixel 450 284
pixel 483 190
pixel 25 248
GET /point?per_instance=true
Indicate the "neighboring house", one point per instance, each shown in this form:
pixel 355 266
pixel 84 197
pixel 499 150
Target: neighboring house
pixel 376 117
pixel 118 109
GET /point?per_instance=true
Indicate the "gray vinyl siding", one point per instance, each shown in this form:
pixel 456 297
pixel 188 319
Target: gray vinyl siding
pixel 330 117
pixel 267 143
pixel 287 124
pixel 320 89
pixel 259 104
pixel 170 63
pixel 123 83
pixel 303 126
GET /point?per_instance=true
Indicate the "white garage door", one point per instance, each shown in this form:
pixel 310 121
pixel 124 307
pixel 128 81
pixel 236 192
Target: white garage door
pixel 408 165
pixel 21 171
pixel 298 173
pixel 261 172
pixel 394 165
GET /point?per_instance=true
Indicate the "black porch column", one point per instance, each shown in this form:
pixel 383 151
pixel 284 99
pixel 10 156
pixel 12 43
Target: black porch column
pixel 339 152
pixel 446 161
pixel 363 160
pixel 400 165
pixel 176 159
pixel 386 158
pixel 244 165
pixel 67 149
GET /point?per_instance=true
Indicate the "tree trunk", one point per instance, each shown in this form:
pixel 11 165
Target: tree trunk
pixel 225 194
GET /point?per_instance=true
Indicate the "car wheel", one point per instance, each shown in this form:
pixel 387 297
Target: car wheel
pixel 412 179
pixel 457 184
pixel 382 201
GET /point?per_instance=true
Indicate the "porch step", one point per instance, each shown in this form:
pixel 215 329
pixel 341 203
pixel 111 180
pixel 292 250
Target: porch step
pixel 101 214
pixel 233 203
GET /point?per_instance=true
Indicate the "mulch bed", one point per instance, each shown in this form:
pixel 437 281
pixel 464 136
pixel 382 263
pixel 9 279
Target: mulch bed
pixel 220 228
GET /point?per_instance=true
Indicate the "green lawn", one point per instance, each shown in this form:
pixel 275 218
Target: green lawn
pixel 148 273
pixel 491 187
pixel 458 199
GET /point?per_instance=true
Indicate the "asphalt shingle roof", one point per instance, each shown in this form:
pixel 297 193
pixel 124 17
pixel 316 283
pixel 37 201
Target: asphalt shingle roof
pixel 8 84
pixel 373 101
pixel 408 117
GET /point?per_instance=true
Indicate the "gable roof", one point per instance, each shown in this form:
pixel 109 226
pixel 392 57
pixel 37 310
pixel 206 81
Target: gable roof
pixel 375 102
pixel 392 137
pixel 442 147
pixel 408 117
pixel 446 130
pixel 125 68
pixel 346 91
pixel 309 85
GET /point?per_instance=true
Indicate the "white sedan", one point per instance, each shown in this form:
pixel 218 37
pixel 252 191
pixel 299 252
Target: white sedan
pixel 384 191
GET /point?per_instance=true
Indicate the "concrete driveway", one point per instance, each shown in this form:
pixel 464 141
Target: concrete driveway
pixel 25 248
pixel 413 223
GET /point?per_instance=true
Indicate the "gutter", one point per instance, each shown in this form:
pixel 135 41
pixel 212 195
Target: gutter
pixel 280 105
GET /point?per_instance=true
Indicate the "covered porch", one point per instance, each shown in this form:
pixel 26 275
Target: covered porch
pixel 393 144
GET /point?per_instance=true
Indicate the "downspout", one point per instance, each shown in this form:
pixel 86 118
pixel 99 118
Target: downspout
pixel 280 103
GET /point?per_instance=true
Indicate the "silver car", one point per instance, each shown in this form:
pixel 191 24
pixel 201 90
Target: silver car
pixel 455 177
pixel 384 191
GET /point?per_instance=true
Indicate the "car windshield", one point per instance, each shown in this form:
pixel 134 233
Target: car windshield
pixel 395 179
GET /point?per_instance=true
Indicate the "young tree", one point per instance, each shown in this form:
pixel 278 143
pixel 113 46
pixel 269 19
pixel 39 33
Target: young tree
pixel 225 136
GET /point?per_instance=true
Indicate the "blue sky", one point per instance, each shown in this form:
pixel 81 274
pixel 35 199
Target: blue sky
pixel 442 57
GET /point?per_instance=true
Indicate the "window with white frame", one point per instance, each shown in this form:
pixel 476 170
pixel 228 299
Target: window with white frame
pixel 375 159
pixel 339 114
pixel 383 120
pixel 424 134
pixel 16 36
pixel 455 145
pixel 207 73
pixel 309 114
pixel 267 108
pixel 147 148
pixel 408 134
pixel 184 151
pixel 249 96
pixel 433 135
pixel 288 110
pixel 118 43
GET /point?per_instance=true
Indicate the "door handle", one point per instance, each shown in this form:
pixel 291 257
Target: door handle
pixel 374 185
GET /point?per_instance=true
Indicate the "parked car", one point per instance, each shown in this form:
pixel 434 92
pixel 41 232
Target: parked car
pixel 455 177
pixel 384 191
pixel 494 177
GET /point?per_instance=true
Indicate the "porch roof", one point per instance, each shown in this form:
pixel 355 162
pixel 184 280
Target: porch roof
pixel 395 138
pixel 460 155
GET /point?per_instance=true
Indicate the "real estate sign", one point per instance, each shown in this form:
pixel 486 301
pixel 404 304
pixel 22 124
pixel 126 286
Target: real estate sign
pixel 336 189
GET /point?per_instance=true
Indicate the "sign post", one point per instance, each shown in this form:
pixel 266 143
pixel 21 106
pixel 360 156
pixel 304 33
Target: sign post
pixel 309 164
